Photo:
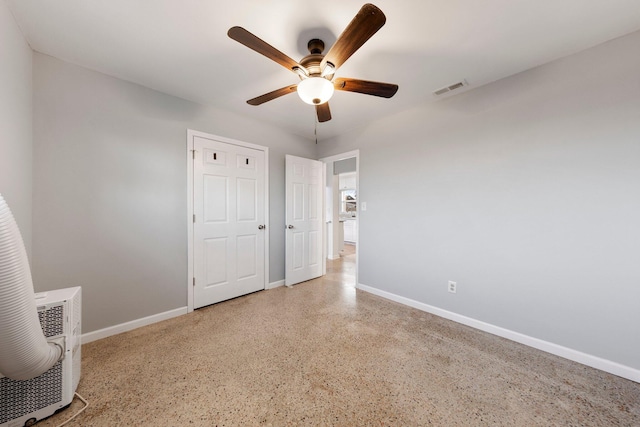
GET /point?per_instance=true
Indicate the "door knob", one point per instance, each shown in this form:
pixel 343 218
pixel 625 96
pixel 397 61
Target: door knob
pixel 262 227
pixel 290 227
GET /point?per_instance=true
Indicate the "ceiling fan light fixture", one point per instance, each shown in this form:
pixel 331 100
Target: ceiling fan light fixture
pixel 301 72
pixel 316 70
pixel 315 90
pixel 329 70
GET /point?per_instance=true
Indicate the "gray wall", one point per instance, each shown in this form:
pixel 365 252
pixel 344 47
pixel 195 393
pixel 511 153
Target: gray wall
pixel 15 123
pixel 526 192
pixel 344 166
pixel 110 185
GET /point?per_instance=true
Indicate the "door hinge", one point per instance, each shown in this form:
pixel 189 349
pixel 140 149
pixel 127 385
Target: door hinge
pixel 194 218
pixel 194 281
pixel 193 154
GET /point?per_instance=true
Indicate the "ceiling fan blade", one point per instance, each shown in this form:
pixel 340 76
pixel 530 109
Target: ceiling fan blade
pixel 272 95
pixel 384 90
pixel 323 112
pixel 244 37
pixel 364 25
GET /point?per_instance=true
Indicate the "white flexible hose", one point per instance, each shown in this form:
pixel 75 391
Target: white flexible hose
pixel 24 351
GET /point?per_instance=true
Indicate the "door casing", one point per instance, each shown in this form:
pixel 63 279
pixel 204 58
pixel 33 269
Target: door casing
pixel 328 161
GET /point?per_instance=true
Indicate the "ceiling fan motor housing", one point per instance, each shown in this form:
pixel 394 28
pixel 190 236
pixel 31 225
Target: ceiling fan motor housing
pixel 315 46
pixel 311 63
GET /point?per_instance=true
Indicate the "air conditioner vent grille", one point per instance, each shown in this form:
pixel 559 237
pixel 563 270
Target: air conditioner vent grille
pixel 450 88
pixel 52 321
pixel 24 397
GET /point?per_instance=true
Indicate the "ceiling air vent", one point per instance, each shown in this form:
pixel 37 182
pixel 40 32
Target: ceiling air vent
pixel 450 88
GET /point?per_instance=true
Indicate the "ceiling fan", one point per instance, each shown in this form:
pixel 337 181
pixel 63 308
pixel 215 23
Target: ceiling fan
pixel 316 71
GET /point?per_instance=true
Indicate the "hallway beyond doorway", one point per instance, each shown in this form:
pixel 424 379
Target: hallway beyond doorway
pixel 343 269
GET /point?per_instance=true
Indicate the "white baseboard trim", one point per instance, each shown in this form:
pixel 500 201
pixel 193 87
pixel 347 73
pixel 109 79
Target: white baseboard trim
pixel 275 284
pixel 134 324
pixel 558 350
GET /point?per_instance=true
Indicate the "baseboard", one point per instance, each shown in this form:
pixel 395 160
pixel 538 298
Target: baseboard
pixel 134 324
pixel 275 284
pixel 128 326
pixel 558 350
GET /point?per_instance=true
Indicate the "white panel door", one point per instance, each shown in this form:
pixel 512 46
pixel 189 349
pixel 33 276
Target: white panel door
pixel 229 224
pixel 303 219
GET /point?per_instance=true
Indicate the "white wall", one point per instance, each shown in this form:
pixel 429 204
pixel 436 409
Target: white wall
pixel 526 192
pixel 15 123
pixel 110 184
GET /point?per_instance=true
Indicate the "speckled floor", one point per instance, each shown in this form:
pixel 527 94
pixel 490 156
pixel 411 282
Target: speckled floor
pixel 324 353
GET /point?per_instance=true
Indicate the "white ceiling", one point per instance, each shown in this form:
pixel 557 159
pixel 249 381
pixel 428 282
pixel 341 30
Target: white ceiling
pixel 181 47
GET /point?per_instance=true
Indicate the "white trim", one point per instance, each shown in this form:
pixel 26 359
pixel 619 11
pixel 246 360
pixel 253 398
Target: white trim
pixel 324 219
pixel 558 350
pixel 134 324
pixel 190 136
pixel 342 156
pixel 275 284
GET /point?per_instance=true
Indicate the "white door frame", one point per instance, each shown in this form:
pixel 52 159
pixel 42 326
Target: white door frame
pixel 332 159
pixel 191 134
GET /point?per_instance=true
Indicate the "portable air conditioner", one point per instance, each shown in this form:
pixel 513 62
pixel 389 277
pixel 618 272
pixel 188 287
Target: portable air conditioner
pixel 22 403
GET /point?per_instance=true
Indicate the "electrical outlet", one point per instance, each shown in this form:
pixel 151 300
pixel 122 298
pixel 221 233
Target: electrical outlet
pixel 452 287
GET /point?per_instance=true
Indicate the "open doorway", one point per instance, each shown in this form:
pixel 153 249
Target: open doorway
pixel 342 215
